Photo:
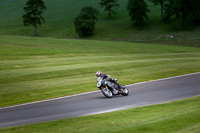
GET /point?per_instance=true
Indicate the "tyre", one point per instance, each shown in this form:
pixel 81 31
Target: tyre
pixel 125 91
pixel 106 92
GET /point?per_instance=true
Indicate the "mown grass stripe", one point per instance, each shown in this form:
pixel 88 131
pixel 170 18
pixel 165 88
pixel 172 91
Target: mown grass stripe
pixel 134 73
pixel 27 71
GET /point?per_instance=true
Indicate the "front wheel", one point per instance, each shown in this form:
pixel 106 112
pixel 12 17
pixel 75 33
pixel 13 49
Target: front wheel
pixel 125 91
pixel 106 92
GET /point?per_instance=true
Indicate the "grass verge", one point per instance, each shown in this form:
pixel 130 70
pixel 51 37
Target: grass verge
pixel 178 117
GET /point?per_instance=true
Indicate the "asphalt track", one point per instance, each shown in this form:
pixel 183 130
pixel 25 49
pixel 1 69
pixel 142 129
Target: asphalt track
pixel 141 94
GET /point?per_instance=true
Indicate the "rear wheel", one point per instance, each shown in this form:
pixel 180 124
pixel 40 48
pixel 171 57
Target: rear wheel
pixel 106 92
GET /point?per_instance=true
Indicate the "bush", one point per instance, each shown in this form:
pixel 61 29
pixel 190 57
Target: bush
pixel 85 21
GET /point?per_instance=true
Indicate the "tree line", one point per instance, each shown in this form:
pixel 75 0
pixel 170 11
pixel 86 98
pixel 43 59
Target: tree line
pixel 184 12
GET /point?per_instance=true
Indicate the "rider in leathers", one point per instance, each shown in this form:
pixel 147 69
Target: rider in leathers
pixel 108 78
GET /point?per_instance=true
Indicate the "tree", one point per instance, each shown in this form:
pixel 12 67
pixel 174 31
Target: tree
pixel 196 11
pixel 33 16
pixel 108 6
pixel 138 11
pixel 161 2
pixel 85 21
pixel 186 12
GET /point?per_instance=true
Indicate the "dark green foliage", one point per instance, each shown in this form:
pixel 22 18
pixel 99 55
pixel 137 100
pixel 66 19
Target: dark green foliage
pixel 85 21
pixel 108 6
pixel 138 11
pixel 184 12
pixel 156 2
pixel 33 16
pixel 161 2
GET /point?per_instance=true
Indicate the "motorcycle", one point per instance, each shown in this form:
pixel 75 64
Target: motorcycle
pixel 106 88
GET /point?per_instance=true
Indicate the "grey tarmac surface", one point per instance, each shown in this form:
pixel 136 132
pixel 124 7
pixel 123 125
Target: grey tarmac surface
pixel 141 94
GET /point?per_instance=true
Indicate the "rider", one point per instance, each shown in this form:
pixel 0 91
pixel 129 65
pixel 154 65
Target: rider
pixel 107 77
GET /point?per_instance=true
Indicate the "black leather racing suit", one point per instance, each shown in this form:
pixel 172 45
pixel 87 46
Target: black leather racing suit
pixel 108 78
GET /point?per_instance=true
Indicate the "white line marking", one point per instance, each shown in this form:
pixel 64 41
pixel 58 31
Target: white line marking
pixel 164 79
pixel 134 106
pixel 49 100
pixel 96 91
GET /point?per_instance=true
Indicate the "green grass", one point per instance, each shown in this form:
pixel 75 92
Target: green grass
pixel 33 69
pixel 177 117
pixel 60 16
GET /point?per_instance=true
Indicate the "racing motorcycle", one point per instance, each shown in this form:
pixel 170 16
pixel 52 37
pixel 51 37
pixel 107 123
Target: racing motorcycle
pixel 106 88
